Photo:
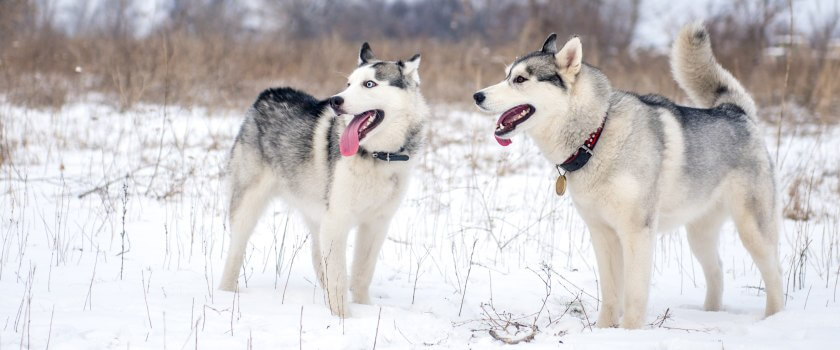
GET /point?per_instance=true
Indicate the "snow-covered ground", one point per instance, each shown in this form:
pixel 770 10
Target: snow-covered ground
pixel 114 234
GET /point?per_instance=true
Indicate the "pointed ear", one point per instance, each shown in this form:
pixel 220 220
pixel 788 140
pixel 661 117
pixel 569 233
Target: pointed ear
pixel 569 59
pixel 365 54
pixel 411 67
pixel 550 44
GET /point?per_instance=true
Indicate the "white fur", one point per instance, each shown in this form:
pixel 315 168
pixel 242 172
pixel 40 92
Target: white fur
pixel 394 101
pixel 622 208
pixel 364 193
pixel 569 59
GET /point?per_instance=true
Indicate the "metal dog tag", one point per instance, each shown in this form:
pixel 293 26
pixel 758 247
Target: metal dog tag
pixel 560 185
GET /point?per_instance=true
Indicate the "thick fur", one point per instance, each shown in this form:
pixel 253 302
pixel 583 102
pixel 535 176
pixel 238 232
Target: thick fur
pixel 657 166
pixel 288 147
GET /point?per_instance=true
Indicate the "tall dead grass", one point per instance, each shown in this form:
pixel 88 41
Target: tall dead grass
pixel 177 64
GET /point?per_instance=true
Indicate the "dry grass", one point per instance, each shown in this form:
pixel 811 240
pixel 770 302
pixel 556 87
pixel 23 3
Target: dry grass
pixel 799 192
pixel 188 63
pixel 223 72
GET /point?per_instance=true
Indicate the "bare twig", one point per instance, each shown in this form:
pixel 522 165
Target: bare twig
pixel 300 330
pixel 112 181
pixel 417 275
pixel 122 234
pixel 376 335
pixel 467 279
pixel 509 340
pixel 145 298
pixel 547 282
pixel 89 297
pixel 785 86
pixel 660 320
pixel 49 333
pixel 291 263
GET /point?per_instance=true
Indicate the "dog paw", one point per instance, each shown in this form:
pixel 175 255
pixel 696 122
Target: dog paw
pixel 606 324
pixel 608 317
pixel 712 306
pixel 228 286
pixel 361 298
pixel 341 310
pixel 632 322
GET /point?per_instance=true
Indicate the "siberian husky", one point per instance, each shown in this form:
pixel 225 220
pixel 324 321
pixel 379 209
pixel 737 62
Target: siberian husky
pixel 637 165
pixel 343 163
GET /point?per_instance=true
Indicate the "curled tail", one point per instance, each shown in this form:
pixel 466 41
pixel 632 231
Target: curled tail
pixel 699 74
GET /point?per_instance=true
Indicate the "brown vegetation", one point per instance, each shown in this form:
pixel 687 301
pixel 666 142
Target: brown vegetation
pixel 203 54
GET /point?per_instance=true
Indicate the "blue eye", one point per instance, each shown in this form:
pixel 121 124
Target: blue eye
pixel 520 79
pixel 369 84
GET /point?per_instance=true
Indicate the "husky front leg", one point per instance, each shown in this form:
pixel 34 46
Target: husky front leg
pixel 637 250
pixel 609 257
pixel 333 236
pixel 369 241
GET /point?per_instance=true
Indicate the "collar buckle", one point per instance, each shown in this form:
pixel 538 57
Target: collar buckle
pixel 389 157
pixel 578 159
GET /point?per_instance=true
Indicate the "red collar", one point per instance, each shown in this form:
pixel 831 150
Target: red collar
pixel 578 159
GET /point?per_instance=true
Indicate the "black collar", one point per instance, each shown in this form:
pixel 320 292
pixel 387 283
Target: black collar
pixel 386 156
pixel 578 159
pixel 390 157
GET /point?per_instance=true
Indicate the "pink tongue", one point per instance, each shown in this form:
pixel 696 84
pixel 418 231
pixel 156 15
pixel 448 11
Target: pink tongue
pixel 349 143
pixel 502 141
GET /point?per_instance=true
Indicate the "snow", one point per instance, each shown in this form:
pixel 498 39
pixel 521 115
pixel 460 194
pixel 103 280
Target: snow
pixel 481 239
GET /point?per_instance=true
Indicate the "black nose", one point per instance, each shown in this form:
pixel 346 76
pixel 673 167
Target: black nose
pixel 336 101
pixel 478 97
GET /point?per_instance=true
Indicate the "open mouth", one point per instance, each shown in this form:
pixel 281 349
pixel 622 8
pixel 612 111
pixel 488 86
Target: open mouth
pixel 358 128
pixel 510 119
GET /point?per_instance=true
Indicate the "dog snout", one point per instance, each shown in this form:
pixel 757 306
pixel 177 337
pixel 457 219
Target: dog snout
pixel 336 102
pixel 479 97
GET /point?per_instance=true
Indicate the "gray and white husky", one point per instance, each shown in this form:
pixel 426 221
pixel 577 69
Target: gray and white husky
pixel 292 146
pixel 637 165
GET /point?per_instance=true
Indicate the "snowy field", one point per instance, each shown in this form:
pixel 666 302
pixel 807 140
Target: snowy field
pixel 114 234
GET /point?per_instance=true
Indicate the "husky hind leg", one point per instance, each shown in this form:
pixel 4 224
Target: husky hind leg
pixel 249 193
pixel 758 227
pixel 703 238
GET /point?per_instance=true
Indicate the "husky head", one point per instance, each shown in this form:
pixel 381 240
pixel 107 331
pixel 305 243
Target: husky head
pixel 538 87
pixel 382 99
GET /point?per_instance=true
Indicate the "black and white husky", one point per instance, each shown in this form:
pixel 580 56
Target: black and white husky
pixel 637 165
pixel 343 163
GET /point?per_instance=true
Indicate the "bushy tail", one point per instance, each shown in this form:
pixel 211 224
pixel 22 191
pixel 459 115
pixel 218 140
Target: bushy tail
pixel 700 75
